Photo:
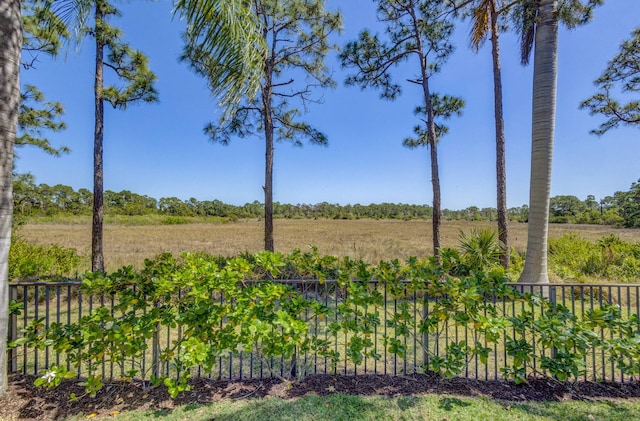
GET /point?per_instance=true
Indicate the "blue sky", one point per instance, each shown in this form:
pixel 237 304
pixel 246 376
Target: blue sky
pixel 159 149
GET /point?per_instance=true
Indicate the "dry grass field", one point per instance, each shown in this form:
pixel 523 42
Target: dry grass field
pixel 370 240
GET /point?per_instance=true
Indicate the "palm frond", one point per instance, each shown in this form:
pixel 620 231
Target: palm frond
pixel 223 42
pixel 480 24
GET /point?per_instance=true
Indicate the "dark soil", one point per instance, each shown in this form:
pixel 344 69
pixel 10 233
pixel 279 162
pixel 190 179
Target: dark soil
pixel 25 401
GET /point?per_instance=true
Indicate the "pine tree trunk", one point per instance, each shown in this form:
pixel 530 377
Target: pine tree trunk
pixel 545 71
pixel 433 147
pixel 97 254
pixel 431 139
pixel 501 175
pixel 10 46
pixel 268 194
pixel 268 176
pixel 435 182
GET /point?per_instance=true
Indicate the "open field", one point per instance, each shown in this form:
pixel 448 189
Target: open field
pixel 370 240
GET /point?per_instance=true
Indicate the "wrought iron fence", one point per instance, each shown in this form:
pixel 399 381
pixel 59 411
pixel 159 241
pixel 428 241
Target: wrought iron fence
pixel 65 303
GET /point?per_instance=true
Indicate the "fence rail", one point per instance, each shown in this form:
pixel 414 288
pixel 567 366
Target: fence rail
pixel 64 303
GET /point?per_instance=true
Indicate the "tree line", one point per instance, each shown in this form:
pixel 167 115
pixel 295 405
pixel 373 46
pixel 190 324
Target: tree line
pixel 31 199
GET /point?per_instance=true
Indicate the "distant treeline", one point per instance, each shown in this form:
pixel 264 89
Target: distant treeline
pixel 622 209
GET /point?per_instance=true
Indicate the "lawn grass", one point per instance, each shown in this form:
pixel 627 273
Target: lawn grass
pixel 413 407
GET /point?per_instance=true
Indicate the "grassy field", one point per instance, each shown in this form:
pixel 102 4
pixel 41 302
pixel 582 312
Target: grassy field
pixel 370 240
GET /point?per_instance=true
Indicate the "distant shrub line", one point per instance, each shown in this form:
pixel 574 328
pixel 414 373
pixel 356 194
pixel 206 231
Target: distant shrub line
pixel 623 208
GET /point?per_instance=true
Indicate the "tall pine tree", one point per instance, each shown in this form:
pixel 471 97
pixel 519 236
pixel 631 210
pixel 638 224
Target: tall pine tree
pixel 296 34
pixel 130 67
pixel 416 30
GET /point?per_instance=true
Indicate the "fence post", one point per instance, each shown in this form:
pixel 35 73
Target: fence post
pixel 425 333
pixel 552 300
pixel 13 332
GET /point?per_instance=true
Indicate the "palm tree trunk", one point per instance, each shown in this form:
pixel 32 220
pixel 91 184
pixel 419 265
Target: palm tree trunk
pixel 545 71
pixel 97 254
pixel 11 36
pixel 501 175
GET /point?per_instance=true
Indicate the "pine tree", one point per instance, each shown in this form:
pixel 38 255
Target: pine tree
pixel 296 33
pixel 131 68
pixel 621 77
pixel 415 29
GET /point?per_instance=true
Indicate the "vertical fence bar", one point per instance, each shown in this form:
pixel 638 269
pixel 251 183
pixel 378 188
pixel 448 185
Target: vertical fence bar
pixel 79 317
pixel 495 345
pixel 415 330
pixel 552 299
pixel 593 354
pixel 395 337
pixel 36 298
pixel 425 332
pixel 155 350
pixel 486 366
pixel 13 331
pixel 326 320
pixel 336 293
pixel 375 336
pixel 25 311
pixel 406 354
pixel 47 297
pixel 57 318
pixel 385 330
pixel 68 319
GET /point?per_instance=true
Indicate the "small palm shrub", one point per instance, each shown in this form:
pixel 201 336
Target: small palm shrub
pixel 480 249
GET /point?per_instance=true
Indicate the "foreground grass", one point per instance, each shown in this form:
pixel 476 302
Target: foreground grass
pixel 423 407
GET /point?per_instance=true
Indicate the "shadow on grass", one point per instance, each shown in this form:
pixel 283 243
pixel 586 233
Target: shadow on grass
pixel 338 407
pixel 580 410
pixel 449 403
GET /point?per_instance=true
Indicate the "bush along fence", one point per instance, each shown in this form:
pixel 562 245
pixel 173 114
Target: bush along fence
pixel 195 316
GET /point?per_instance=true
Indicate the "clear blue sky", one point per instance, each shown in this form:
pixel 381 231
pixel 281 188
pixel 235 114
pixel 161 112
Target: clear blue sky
pixel 159 149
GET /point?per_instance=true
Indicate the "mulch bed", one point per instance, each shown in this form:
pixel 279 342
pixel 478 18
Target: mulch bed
pixel 25 401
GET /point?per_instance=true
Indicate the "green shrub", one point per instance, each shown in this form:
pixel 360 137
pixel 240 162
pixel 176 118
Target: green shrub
pixel 175 220
pixel 576 259
pixel 34 261
pixel 220 314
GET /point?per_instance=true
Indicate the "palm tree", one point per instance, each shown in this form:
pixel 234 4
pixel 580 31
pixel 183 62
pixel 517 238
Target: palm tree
pixel 545 74
pixel 11 35
pixel 485 20
pixel 540 18
pixel 229 33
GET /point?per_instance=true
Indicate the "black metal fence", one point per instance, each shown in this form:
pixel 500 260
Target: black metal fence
pixel 65 303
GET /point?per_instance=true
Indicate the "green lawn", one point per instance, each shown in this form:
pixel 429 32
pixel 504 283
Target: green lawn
pixel 424 407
